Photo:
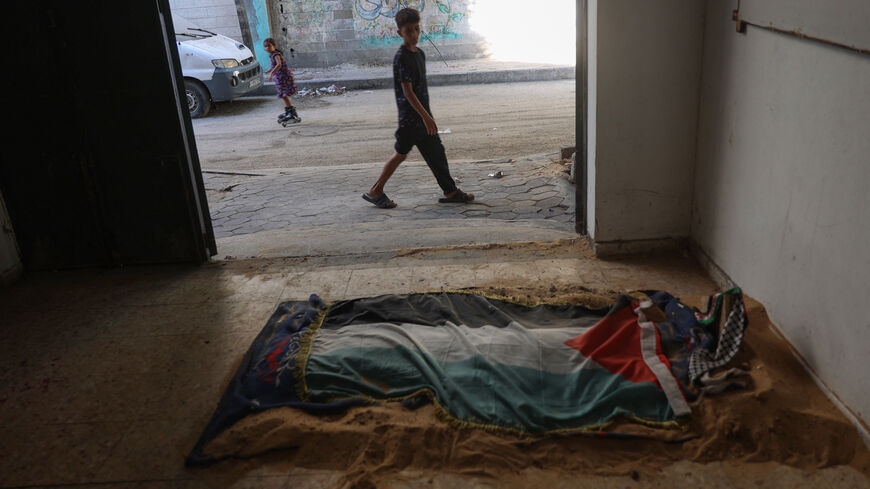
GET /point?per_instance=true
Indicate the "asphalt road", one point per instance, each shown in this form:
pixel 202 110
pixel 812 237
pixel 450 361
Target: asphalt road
pixel 489 121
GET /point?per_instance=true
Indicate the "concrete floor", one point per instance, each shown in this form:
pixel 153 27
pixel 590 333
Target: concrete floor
pixel 311 211
pixel 300 200
pixel 296 191
pixel 109 376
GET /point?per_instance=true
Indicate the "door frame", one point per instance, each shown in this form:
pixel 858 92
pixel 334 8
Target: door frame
pixel 197 197
pixel 581 108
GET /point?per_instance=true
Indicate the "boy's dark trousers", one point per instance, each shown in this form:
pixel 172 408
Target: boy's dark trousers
pixel 433 153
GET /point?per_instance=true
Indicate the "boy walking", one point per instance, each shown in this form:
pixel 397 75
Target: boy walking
pixel 416 125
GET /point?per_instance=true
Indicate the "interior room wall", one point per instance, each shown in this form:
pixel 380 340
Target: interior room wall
pixel 644 76
pixel 781 188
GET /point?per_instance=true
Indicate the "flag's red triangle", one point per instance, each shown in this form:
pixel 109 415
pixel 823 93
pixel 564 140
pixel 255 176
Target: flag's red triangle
pixel 614 343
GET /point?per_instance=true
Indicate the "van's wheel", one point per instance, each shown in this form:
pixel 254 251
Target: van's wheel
pixel 198 101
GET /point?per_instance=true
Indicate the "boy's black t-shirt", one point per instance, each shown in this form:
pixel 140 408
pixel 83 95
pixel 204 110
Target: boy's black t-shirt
pixel 410 66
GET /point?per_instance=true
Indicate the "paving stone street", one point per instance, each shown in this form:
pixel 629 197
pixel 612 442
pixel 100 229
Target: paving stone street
pixel 531 189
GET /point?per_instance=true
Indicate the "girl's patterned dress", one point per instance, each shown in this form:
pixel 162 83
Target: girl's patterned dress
pixel 284 81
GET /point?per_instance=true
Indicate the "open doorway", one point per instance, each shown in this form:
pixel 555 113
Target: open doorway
pixel 154 208
pixel 504 119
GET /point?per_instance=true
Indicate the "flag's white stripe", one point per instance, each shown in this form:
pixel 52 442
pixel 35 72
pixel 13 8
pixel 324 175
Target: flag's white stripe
pixel 661 371
pixel 513 345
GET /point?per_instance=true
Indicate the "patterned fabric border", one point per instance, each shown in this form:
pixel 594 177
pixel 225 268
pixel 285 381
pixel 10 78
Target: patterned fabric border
pixel 730 332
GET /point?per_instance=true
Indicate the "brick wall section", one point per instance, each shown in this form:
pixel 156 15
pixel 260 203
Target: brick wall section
pixel 326 33
pixel 218 16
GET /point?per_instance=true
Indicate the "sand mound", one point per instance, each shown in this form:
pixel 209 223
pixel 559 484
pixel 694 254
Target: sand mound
pixel 782 417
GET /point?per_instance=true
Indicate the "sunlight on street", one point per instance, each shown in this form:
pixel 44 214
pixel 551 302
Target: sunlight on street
pixel 518 30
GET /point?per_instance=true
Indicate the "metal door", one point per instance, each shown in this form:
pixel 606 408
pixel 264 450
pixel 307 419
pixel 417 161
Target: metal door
pixel 105 169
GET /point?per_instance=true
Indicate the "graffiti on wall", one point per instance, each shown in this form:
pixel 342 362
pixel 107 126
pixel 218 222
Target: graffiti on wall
pixel 374 20
pixel 339 29
pixel 371 10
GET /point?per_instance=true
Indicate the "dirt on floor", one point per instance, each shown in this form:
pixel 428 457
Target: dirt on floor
pixel 782 417
pixel 574 247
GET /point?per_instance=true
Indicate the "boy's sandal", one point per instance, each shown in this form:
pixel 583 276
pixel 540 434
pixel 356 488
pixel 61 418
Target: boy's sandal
pixel 381 201
pixel 459 197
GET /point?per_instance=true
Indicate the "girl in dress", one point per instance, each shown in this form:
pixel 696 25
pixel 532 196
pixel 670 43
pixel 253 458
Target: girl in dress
pixel 284 82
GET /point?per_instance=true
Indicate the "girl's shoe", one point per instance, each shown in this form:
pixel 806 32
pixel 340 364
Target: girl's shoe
pixel 287 114
pixel 289 117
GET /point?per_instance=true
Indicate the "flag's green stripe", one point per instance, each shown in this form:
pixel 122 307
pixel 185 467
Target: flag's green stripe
pixel 478 391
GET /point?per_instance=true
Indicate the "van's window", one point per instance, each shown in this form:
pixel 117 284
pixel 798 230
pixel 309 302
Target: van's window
pixel 187 30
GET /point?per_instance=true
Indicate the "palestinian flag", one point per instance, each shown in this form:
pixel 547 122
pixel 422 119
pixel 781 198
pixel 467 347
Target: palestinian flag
pixel 486 362
pixel 491 363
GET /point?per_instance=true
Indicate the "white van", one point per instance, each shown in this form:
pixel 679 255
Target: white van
pixel 215 67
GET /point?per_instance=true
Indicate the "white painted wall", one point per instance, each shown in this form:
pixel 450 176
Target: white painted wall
pixel 215 15
pixel 10 258
pixel 644 81
pixel 782 188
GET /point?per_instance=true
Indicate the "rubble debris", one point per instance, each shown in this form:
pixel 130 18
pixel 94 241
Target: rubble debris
pixel 319 92
pixel 573 171
pixel 567 151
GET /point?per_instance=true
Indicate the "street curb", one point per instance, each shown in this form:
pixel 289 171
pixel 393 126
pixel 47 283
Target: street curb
pixel 439 79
